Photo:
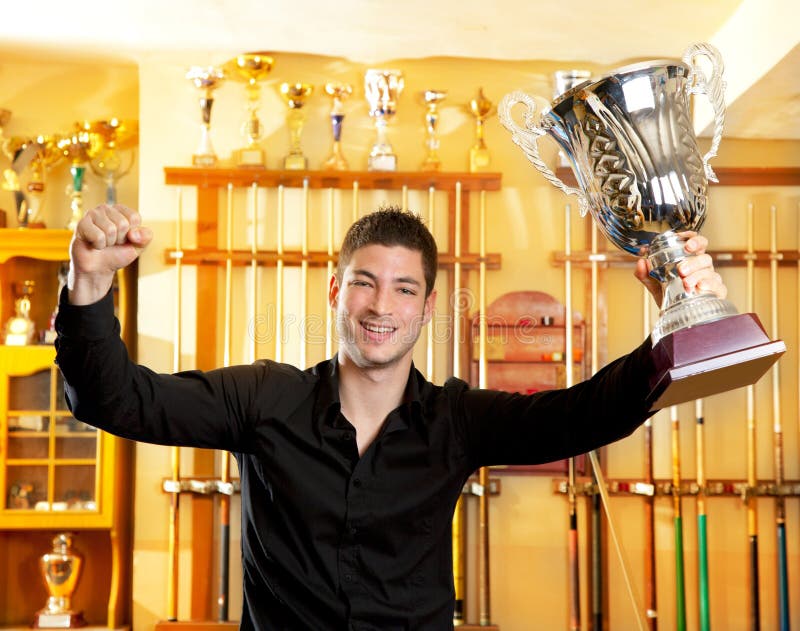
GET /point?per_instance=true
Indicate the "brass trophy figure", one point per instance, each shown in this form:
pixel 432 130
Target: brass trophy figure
pixel 481 108
pixel 295 95
pixel 432 98
pixel 114 137
pixel 206 80
pixel 20 330
pixel 382 89
pixel 61 569
pixel 79 147
pixel 251 69
pixel 631 145
pixel 338 92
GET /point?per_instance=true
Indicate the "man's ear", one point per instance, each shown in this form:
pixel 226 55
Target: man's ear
pixel 333 291
pixel 430 305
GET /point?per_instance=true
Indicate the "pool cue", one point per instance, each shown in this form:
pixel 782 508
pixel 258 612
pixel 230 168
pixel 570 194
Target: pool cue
pixel 483 473
pixel 677 520
pixel 355 201
pixel 574 569
pixel 650 500
pixel 459 517
pixel 328 313
pixel 702 531
pixel 304 280
pixel 596 516
pixel 780 506
pixel 430 357
pixel 224 498
pixel 175 452
pixel 404 197
pixel 680 583
pixel 279 277
pixel 752 503
pixel 254 269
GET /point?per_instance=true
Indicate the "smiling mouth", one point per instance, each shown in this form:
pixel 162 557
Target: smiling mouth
pixel 377 329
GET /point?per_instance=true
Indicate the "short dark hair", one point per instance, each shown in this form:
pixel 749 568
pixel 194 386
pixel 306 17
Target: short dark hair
pixel 390 226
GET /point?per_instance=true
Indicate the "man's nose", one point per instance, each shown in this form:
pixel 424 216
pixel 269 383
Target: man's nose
pixel 382 300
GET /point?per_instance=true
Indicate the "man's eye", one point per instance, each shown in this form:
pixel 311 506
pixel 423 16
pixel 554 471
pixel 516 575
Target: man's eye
pixel 407 291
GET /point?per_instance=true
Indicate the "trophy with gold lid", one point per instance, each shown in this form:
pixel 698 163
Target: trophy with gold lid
pixel 251 69
pixel 338 93
pixel 382 89
pixel 206 80
pixel 79 147
pixel 61 568
pixel 115 137
pixel 432 98
pixel 481 108
pixel 295 95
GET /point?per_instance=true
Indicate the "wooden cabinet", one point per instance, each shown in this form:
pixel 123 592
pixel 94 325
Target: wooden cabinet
pixel 56 473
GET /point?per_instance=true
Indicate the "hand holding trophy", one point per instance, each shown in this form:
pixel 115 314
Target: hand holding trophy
pixel 629 139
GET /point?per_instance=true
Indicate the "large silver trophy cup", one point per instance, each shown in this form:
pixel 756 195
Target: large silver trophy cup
pixel 629 140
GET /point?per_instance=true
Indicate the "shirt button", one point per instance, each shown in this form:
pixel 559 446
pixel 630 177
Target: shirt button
pixel 357 483
pixel 348 577
pixel 347 436
pixel 353 530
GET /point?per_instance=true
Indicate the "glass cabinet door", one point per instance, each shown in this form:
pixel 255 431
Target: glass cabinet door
pixel 52 459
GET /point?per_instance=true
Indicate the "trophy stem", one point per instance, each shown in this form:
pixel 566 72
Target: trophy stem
pixel 295 159
pixel 680 308
pixel 76 196
pixel 205 156
pixel 336 161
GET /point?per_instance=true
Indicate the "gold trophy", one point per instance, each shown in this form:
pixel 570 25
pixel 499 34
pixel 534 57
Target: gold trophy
pixel 251 69
pixel 432 98
pixel 382 89
pixel 481 108
pixel 20 330
pixel 295 95
pixel 61 569
pixel 79 147
pixel 114 136
pixel 206 80
pixel 42 154
pixel 339 93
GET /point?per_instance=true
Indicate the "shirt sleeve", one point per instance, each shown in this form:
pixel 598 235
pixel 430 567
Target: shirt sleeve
pixel 509 428
pixel 104 388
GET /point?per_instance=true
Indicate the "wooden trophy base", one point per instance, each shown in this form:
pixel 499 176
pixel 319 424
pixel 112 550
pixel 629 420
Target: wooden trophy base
pixel 709 358
pixel 69 620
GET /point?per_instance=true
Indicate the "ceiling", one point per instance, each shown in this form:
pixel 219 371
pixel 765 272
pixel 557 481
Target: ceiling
pixel 758 39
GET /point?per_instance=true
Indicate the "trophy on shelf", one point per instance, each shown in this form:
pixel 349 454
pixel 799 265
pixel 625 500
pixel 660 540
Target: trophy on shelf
pixel 481 108
pixel 631 145
pixel 61 569
pixel 79 147
pixel 338 92
pixel 432 98
pixel 295 95
pixel 251 69
pixel 382 89
pixel 20 330
pixel 205 79
pixel 114 137
pixel 21 152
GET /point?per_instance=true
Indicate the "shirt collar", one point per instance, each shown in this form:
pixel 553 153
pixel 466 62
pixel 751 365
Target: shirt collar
pixel 327 405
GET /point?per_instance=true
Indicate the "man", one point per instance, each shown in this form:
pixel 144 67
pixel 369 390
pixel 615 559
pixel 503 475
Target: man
pixel 349 470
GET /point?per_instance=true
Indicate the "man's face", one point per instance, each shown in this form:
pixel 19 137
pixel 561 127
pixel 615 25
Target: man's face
pixel 380 305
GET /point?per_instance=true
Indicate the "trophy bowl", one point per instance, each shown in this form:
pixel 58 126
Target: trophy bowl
pixel 115 136
pixel 629 139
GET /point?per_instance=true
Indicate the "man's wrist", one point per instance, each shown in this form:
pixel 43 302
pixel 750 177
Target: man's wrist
pixel 87 289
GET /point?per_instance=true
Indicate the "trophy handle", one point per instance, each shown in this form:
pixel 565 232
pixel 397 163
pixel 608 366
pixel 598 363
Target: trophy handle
pixel 713 87
pixel 527 139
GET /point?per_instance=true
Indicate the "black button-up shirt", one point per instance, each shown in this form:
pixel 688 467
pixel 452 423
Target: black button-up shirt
pixel 331 540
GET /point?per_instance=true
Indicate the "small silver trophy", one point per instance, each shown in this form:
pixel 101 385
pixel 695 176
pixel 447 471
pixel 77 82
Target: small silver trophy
pixel 382 89
pixel 206 80
pixel 432 99
pixel 629 139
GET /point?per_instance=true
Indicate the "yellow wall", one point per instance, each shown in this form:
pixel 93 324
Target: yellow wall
pixel 528 522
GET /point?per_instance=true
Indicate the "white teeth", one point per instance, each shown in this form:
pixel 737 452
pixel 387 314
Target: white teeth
pixel 377 329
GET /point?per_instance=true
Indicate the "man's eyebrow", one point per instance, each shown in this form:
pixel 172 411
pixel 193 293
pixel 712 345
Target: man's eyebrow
pixel 409 280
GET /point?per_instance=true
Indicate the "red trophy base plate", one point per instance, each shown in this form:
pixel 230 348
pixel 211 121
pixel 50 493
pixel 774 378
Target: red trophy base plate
pixel 709 358
pixel 59 621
